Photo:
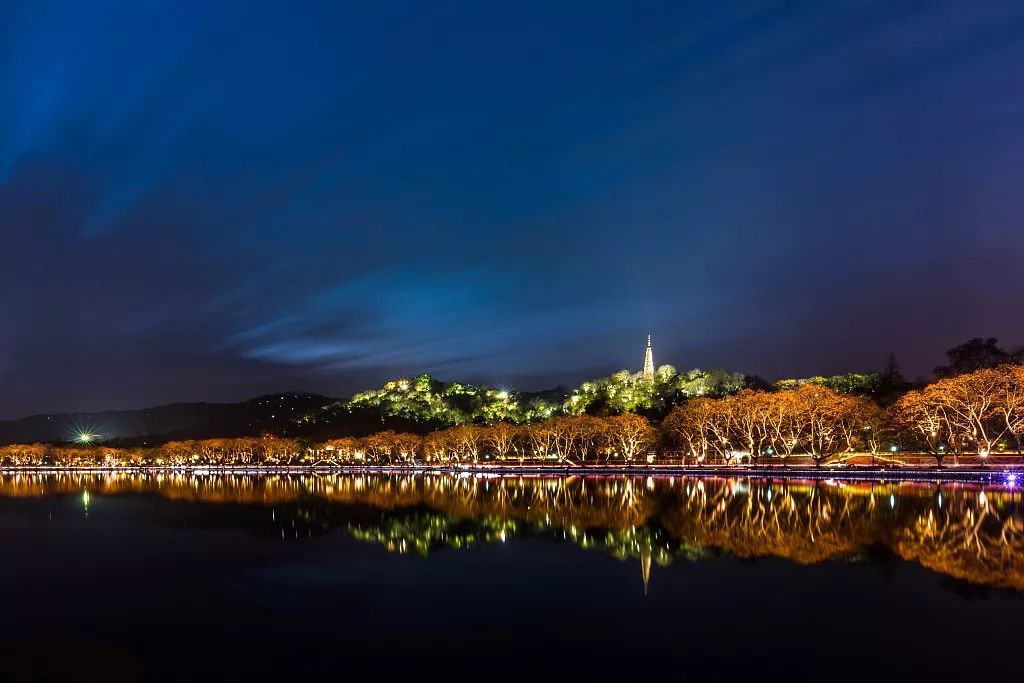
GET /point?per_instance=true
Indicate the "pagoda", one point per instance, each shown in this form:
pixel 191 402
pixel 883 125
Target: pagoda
pixel 649 362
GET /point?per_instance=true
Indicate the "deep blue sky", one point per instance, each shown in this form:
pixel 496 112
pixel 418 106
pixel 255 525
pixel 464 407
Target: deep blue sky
pixel 211 200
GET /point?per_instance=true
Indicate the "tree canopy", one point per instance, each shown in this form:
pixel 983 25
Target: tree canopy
pixel 977 354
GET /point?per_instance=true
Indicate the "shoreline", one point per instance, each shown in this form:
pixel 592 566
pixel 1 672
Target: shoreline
pixel 997 474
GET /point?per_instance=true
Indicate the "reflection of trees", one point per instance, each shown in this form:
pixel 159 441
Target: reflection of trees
pixel 557 502
pixel 801 523
pixel 423 532
pixel 968 539
pixel 958 530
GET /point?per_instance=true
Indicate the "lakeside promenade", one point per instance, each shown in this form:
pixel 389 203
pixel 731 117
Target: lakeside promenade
pixel 998 474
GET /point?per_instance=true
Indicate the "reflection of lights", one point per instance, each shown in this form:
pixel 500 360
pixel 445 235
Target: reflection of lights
pixel 892 501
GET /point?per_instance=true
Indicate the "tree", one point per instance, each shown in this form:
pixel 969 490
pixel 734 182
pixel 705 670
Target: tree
pixel 630 435
pixel 828 418
pixel 574 436
pixel 378 447
pixel 406 447
pixel 892 378
pixel 541 438
pixel 788 421
pixel 343 450
pixel 277 450
pixel 501 438
pixel 865 383
pixel 691 426
pixel 863 424
pixel 977 354
pixel 435 447
pixel 751 411
pixel 1010 406
pixel 924 419
pixel 968 407
pixel 465 441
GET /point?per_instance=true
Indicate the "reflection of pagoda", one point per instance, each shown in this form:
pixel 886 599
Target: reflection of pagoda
pixel 645 565
pixel 649 361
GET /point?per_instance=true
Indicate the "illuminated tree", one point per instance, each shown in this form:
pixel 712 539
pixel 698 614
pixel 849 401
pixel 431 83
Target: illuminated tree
pixel 751 413
pixel 969 404
pixel 435 447
pixel 575 437
pixel 464 441
pixel 25 455
pixel 1010 407
pixel 540 439
pixel 868 426
pixel 502 438
pixel 340 451
pixel 631 436
pixel 379 446
pixel 864 383
pixel 692 426
pixel 924 419
pixel 828 420
pixel 406 447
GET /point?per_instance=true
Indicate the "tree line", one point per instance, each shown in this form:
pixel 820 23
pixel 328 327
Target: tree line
pixel 976 413
pixel 577 439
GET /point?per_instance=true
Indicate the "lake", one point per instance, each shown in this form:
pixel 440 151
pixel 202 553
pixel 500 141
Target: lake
pixel 129 576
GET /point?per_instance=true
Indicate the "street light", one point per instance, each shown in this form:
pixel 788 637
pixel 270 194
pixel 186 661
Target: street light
pixel 85 437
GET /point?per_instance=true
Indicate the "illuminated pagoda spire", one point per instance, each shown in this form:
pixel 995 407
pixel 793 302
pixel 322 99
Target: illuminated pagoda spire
pixel 649 361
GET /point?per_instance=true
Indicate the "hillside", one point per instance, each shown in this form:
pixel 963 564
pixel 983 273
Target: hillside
pixel 431 403
pixel 416 404
pixel 272 413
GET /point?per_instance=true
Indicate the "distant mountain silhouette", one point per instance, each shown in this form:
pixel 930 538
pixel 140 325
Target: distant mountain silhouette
pixel 273 413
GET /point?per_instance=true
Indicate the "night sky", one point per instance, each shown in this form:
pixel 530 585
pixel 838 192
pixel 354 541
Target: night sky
pixel 212 200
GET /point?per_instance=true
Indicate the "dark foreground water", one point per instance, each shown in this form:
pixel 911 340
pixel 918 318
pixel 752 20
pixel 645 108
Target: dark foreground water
pixel 331 577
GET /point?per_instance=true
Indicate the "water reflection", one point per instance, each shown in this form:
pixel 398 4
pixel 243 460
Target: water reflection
pixel 964 531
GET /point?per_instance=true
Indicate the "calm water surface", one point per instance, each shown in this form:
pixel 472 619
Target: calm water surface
pixel 167 577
